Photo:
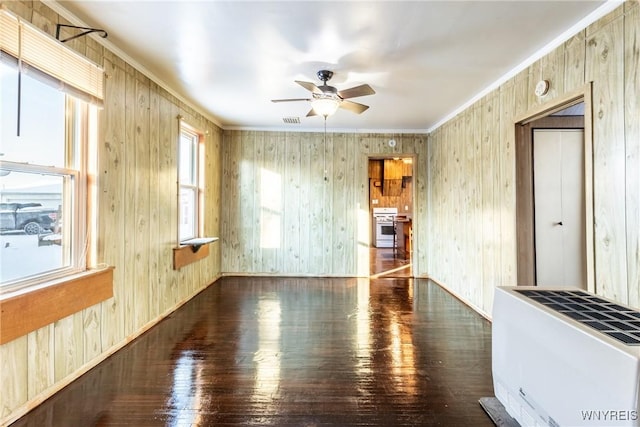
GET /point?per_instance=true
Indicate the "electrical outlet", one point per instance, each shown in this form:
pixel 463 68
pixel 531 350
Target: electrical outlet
pixel 406 207
pixel 374 201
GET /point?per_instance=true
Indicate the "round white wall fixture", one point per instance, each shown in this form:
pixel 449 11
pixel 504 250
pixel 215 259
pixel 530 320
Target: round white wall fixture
pixel 392 143
pixel 542 87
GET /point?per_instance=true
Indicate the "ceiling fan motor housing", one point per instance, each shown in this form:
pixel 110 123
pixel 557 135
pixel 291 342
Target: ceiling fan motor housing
pixel 325 75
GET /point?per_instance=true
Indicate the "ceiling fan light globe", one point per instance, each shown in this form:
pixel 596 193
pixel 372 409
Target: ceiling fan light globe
pixel 325 106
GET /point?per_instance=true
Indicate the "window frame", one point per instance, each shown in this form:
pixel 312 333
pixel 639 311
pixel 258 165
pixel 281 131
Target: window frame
pixel 75 203
pixel 196 185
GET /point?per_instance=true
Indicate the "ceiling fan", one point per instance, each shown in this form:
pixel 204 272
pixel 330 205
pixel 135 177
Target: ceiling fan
pixel 325 99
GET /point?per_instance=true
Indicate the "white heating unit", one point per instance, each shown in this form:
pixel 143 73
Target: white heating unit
pixel 565 357
pixel 384 232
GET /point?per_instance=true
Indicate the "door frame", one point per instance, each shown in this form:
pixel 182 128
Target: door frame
pixel 525 230
pixel 414 168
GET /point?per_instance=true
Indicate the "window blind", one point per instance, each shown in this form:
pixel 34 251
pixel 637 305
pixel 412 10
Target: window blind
pixel 39 50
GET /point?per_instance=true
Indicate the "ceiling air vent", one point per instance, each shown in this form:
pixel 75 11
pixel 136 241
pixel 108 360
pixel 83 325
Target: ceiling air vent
pixel 291 120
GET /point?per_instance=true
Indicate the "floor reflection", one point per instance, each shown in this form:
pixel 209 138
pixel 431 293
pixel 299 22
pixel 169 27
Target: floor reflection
pixel 362 338
pixel 293 352
pixel 267 356
pixel 186 403
pixel 386 263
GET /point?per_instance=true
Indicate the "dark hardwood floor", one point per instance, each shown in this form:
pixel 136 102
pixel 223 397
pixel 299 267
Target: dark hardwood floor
pixel 386 262
pixel 293 352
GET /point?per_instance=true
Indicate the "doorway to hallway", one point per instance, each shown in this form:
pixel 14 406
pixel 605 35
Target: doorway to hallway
pixel 391 201
pixel 554 194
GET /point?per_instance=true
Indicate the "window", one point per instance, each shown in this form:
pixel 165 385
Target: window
pixel 47 127
pixel 190 193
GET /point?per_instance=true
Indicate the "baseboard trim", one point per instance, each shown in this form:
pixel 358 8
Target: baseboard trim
pixel 475 308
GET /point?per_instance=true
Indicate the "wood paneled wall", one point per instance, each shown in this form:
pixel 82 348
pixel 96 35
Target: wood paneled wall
pixel 471 193
pixel 137 229
pixel 282 214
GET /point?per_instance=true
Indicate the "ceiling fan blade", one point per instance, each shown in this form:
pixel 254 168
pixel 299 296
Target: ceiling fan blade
pixel 290 99
pixel 309 86
pixel 353 106
pixel 353 92
pixel 311 113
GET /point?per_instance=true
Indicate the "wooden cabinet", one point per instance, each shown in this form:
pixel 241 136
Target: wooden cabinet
pixel 375 170
pixel 392 169
pixel 392 177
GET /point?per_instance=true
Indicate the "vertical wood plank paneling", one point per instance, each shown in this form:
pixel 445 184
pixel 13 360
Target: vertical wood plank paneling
pixel 155 232
pixel 507 163
pixel 260 214
pixel 427 234
pixel 270 210
pixel 362 202
pixel 632 148
pixel 173 138
pixel 489 250
pixel 92 343
pixel 440 191
pixel 111 154
pixel 141 186
pixel 13 375
pixel 422 239
pixel 605 53
pixel 317 185
pixel 339 218
pixel 327 196
pixel 68 346
pixel 468 196
pixel 292 211
pixel 351 208
pixel 129 299
pixel 477 204
pixel 256 169
pixel 279 169
pixel 214 199
pixel 574 60
pixel 306 244
pixel 40 360
pixel 168 197
pixel 446 197
pixel 229 185
pixel 455 203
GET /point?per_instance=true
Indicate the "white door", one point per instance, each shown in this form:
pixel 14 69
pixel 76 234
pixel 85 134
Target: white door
pixel 558 169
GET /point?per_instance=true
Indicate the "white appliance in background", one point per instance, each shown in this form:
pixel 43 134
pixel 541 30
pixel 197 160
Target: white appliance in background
pixel 565 357
pixel 383 227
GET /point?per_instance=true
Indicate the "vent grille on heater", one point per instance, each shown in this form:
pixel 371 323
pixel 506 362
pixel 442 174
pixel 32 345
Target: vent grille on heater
pixel 291 120
pixel 618 322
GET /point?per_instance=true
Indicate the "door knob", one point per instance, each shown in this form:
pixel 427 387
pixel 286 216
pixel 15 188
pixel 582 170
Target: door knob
pixel 557 223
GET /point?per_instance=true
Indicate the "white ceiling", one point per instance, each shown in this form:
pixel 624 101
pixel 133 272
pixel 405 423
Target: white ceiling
pixel 424 59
